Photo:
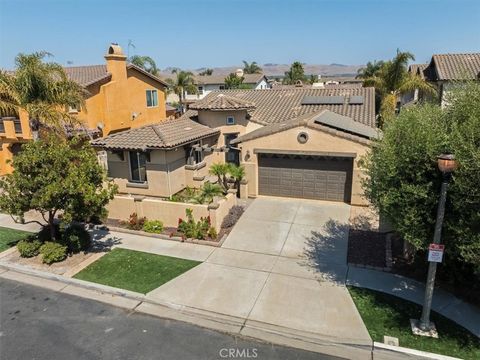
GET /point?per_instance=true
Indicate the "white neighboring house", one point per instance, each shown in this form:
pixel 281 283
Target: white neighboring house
pixel 208 83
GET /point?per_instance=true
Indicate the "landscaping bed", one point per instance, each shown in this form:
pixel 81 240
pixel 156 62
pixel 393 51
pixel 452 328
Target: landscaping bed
pixel 385 314
pixel 135 270
pixel 185 233
pixel 367 248
pixel 10 237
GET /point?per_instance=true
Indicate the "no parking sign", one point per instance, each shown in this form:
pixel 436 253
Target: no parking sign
pixel 435 252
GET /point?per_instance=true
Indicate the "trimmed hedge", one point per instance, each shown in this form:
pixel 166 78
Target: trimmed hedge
pixel 29 247
pixel 53 252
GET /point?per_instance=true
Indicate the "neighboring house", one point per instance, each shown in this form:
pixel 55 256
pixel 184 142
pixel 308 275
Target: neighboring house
pixel 297 143
pixel 208 83
pixel 443 71
pixel 120 96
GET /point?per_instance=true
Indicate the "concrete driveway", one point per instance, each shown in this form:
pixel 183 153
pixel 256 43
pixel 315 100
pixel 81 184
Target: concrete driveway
pixel 283 267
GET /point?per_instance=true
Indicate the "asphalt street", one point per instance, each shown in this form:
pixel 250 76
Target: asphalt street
pixel 37 323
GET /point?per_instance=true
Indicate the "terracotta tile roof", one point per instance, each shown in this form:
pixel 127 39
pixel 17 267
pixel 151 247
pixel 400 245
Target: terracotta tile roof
pixel 222 102
pixel 276 106
pixel 220 79
pixel 165 135
pixel 321 120
pixel 87 75
pixel 91 74
pixel 454 67
pixel 418 69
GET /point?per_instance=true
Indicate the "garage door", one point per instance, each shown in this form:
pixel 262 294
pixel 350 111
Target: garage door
pixel 310 177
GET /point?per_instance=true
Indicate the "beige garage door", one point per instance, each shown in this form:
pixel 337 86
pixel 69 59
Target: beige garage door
pixel 309 177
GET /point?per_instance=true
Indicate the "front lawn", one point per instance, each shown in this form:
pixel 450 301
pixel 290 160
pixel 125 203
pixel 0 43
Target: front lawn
pixel 10 237
pixel 135 270
pixel 385 314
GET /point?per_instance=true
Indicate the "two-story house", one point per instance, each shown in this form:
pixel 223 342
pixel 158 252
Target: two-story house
pixel 120 96
pixel 443 71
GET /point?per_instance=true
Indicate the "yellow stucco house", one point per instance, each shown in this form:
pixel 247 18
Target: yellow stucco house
pixel 121 96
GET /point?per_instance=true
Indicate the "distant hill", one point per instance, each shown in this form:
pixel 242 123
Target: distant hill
pixel 273 70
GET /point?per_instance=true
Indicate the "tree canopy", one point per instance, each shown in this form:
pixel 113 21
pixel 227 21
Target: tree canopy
pixel 43 90
pixel 184 82
pixel 252 68
pixel 56 176
pixel 205 72
pixel 146 63
pixel 392 79
pixel 403 180
pixel 295 74
pixel 232 81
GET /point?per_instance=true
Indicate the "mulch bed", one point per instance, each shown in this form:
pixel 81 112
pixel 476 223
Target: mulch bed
pixel 366 248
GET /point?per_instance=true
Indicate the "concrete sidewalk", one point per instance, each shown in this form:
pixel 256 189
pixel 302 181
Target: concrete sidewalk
pixel 444 303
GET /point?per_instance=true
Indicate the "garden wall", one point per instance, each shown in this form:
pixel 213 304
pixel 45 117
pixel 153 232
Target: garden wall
pixel 169 212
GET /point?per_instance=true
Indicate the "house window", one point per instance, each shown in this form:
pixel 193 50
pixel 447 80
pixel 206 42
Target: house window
pixel 222 87
pixel 200 90
pixel 2 126
pixel 230 120
pixel 152 98
pixel 195 156
pixel 18 126
pixel 138 168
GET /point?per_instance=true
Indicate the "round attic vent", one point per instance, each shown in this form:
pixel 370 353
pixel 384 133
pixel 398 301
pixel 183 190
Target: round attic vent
pixel 302 137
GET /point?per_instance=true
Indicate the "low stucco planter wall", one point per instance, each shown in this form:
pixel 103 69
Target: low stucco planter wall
pixel 169 212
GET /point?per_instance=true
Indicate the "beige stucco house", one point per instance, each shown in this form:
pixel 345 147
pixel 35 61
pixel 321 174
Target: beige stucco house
pixel 302 142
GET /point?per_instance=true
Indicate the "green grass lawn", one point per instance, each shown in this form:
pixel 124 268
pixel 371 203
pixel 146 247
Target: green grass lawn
pixel 134 270
pixel 385 314
pixel 10 237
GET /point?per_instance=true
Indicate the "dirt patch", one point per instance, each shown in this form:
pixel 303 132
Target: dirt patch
pixel 66 266
pixel 366 247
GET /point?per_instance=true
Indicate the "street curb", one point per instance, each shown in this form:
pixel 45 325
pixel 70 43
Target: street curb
pixel 206 319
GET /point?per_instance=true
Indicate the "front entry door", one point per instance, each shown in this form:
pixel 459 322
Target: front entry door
pixel 232 155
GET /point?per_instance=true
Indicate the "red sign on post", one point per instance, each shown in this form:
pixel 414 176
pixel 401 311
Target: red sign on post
pixel 435 252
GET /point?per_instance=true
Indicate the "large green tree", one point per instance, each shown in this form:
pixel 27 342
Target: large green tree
pixel 146 63
pixel 295 73
pixel 56 176
pixel 403 180
pixel 43 90
pixel 232 81
pixel 392 79
pixel 184 82
pixel 251 68
pixel 370 70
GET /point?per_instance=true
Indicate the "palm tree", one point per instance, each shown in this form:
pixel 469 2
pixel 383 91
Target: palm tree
pixel 252 68
pixel 208 192
pixel 146 63
pixel 205 72
pixel 183 83
pixel 238 173
pixel 43 90
pixel 294 74
pixel 220 170
pixel 370 70
pixel 392 79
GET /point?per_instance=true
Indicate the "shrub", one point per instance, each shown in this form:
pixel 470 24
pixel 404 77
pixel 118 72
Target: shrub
pixel 153 226
pixel 29 247
pixel 232 216
pixel 44 234
pixel 194 229
pixel 134 222
pixel 76 238
pixel 53 252
pixel 212 232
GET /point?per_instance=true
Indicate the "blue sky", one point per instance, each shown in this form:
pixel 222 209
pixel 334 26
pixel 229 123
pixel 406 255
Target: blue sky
pixel 197 33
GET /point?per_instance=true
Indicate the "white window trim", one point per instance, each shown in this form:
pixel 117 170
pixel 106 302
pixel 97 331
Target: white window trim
pixel 151 91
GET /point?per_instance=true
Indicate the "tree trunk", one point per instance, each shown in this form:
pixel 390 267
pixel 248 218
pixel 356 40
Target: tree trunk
pixel 51 224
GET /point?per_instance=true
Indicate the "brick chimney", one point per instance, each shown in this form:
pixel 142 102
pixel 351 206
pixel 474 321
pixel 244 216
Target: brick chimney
pixel 116 62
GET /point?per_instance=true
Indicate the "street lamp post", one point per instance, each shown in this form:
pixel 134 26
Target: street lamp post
pixel 446 164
